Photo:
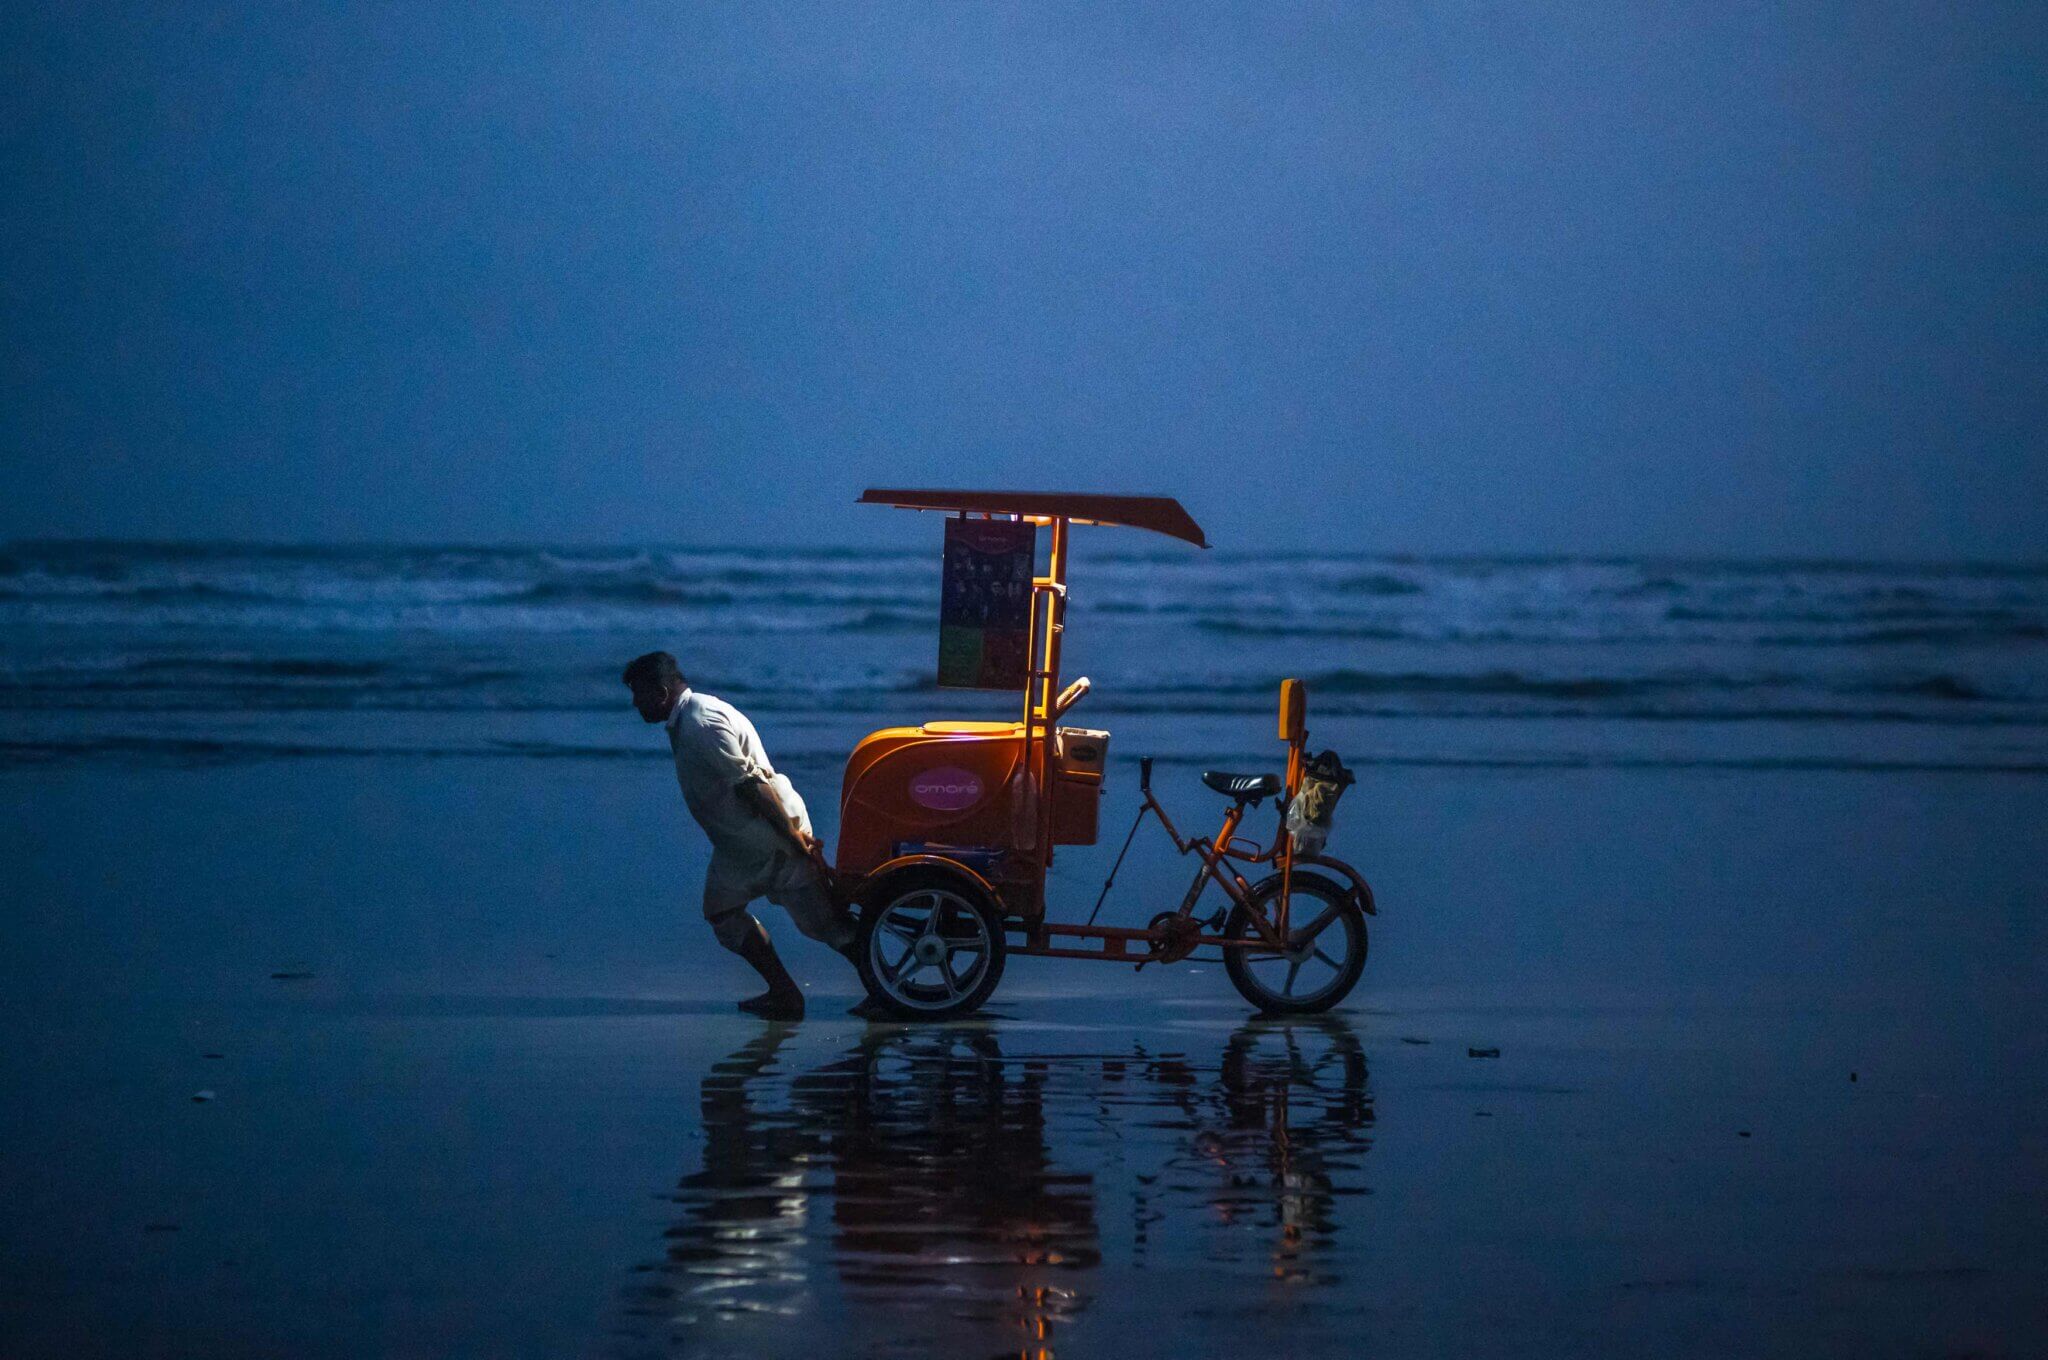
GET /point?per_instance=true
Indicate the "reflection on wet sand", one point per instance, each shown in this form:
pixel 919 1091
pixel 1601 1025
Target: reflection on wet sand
pixel 967 1190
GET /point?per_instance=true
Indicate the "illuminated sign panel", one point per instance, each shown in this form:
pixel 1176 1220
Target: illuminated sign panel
pixel 985 604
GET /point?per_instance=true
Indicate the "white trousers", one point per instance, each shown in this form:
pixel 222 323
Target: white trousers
pixel 766 865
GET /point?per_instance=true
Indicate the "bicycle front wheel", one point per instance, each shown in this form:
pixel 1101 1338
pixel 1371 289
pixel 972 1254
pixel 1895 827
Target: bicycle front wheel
pixel 1324 954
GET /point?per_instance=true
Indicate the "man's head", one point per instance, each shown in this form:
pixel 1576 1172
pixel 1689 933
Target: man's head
pixel 657 682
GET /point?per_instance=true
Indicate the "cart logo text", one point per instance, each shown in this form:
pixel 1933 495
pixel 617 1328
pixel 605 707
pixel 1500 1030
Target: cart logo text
pixel 945 789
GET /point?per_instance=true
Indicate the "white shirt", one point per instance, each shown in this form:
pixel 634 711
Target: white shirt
pixel 717 750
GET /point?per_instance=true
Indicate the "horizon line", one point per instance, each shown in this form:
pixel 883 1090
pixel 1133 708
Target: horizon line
pixel 813 547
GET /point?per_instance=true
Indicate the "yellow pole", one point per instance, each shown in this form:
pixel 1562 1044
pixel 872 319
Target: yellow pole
pixel 1056 624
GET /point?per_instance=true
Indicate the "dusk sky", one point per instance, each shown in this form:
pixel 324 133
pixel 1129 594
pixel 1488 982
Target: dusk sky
pixel 1707 279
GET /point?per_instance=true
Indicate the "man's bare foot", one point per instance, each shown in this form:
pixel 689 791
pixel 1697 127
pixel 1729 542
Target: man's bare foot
pixel 775 1005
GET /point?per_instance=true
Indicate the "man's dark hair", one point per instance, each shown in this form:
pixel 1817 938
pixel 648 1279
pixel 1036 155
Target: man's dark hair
pixel 654 669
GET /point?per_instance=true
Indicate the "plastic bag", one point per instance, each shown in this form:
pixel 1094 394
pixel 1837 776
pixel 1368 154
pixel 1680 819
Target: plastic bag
pixel 1311 813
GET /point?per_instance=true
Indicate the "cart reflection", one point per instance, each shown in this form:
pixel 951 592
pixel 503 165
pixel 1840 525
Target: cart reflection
pixel 926 1191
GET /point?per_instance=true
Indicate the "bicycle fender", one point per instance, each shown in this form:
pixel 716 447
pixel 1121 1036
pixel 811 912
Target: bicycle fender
pixel 1360 889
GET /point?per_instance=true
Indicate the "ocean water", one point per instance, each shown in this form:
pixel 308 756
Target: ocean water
pixel 1734 867
pixel 197 652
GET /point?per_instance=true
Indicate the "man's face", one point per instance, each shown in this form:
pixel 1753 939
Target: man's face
pixel 655 700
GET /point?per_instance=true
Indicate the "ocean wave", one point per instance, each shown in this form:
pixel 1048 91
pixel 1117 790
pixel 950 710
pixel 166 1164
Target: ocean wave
pixel 885 621
pixel 1285 628
pixel 235 680
pixel 235 628
pixel 1847 612
pixel 218 751
pixel 707 593
pixel 284 667
pixel 1336 596
pixel 589 684
pixel 1432 630
pixel 1510 683
pixel 36 585
pixel 1376 583
pixel 1937 635
pixel 631 591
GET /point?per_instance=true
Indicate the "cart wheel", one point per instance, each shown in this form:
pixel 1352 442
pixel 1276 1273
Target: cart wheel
pixel 1325 954
pixel 930 949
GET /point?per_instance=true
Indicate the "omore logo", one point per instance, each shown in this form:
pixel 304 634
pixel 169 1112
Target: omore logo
pixel 947 788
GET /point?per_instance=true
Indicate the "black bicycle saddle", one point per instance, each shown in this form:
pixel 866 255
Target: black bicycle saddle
pixel 1243 787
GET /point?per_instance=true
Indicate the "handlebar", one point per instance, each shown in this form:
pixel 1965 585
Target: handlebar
pixel 1069 696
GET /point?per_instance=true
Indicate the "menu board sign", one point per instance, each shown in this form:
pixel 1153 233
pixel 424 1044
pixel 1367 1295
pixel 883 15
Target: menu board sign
pixel 985 604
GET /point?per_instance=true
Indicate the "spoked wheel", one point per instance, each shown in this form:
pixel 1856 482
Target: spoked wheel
pixel 929 950
pixel 1325 950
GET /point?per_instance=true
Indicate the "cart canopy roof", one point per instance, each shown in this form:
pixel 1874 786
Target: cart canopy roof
pixel 1160 514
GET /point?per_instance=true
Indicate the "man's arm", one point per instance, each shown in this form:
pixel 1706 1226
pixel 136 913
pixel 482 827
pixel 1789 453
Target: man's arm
pixel 756 794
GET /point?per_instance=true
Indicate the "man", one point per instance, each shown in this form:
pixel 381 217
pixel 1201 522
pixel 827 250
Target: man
pixel 761 842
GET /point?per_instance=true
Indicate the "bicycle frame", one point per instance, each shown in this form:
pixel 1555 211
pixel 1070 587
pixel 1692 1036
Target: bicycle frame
pixel 1218 854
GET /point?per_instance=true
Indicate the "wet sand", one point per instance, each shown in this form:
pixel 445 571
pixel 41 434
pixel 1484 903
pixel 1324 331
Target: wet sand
pixel 509 1112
